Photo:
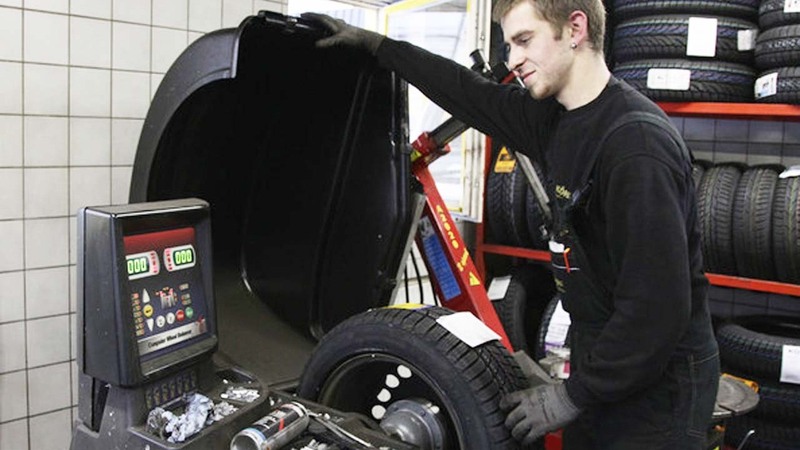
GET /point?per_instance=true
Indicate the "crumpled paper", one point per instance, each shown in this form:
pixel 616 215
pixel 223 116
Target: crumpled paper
pixel 199 412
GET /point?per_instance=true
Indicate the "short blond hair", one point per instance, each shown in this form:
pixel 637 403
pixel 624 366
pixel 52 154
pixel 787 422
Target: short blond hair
pixel 557 12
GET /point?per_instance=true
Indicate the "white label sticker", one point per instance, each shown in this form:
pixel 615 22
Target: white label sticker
pixel 746 39
pixel 555 247
pixel 498 287
pixel 766 85
pixel 791 6
pixel 790 364
pixel 701 39
pixel 790 172
pixel 465 326
pixel 671 79
pixel 558 327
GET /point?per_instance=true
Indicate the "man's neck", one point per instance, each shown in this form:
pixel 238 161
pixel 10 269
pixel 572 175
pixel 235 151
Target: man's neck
pixel 589 76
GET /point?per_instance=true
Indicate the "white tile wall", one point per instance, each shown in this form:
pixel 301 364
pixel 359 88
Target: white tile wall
pixel 12 302
pixel 10 193
pixel 49 388
pixel 76 80
pixel 14 434
pixel 45 38
pixel 48 341
pixel 45 192
pixel 46 242
pixel 12 346
pixel 59 429
pixel 11 248
pixel 45 90
pixel 90 141
pixel 10 88
pixel 171 13
pixel 13 395
pixel 45 141
pixel 89 92
pixel 91 8
pixel 11 34
pixel 44 290
pixel 90 42
pixel 11 144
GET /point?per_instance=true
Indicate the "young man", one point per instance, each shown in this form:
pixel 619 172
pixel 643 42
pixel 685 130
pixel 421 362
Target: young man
pixel 625 243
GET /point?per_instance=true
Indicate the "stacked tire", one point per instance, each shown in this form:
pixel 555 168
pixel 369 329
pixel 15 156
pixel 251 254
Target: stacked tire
pixel 522 307
pixel 753 348
pixel 749 218
pixel 690 51
pixel 777 52
pixel 513 215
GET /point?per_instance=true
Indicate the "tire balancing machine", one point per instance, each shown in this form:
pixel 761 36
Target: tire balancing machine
pixel 147 327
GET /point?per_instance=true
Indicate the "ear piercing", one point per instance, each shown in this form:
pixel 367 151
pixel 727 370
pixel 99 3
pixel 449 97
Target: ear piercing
pixel 573 46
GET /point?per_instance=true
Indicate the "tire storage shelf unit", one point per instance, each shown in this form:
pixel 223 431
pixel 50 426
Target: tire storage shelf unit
pixel 773 394
pixel 744 111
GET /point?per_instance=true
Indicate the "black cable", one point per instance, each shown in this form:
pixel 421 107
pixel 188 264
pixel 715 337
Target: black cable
pixel 419 277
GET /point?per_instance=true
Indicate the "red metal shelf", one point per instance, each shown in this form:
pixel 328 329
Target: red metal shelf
pixel 762 111
pixel 715 279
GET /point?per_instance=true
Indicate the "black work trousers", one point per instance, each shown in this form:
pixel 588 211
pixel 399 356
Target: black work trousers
pixel 674 414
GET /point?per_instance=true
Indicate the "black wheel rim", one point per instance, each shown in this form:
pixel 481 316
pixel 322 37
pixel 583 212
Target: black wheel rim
pixel 367 384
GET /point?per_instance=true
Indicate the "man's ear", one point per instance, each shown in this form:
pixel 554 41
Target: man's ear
pixel 578 25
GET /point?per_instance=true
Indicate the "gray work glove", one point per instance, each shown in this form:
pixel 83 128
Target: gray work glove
pixel 344 34
pixel 535 411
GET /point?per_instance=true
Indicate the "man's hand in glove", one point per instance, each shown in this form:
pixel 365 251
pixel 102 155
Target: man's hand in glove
pixel 535 411
pixel 344 34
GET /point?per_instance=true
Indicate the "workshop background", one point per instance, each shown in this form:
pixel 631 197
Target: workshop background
pixel 76 79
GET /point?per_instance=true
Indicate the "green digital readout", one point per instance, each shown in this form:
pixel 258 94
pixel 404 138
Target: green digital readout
pixel 185 256
pixel 140 265
pixel 180 257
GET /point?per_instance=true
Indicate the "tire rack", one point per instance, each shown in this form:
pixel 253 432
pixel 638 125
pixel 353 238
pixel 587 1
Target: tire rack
pixel 743 111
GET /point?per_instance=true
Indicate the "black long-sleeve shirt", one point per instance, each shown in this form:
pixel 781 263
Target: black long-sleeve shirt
pixel 640 235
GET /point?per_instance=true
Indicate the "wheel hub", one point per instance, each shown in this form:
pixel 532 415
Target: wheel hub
pixel 415 421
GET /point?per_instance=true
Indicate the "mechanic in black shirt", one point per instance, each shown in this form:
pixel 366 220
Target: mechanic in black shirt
pixel 625 242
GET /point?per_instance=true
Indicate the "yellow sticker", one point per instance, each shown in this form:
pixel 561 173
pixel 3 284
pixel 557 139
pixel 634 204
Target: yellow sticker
pixel 473 280
pixel 505 162
pixel 408 306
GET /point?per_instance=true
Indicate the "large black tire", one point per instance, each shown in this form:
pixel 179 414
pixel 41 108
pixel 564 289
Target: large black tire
pixel 505 204
pixel 786 230
pixel 752 222
pixel 753 345
pixel 771 14
pixel 699 168
pixel 534 215
pixel 783 86
pixel 746 9
pixel 778 402
pixel 767 436
pixel 390 354
pixel 778 47
pixel 544 326
pixel 710 81
pixel 666 36
pixel 520 310
pixel 715 212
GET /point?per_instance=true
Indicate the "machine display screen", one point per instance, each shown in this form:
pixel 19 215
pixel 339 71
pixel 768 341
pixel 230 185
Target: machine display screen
pixel 165 290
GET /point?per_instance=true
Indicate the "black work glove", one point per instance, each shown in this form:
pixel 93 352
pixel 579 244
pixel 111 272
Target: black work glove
pixel 344 34
pixel 538 410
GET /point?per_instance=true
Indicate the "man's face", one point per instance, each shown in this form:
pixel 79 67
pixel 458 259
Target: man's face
pixel 540 60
